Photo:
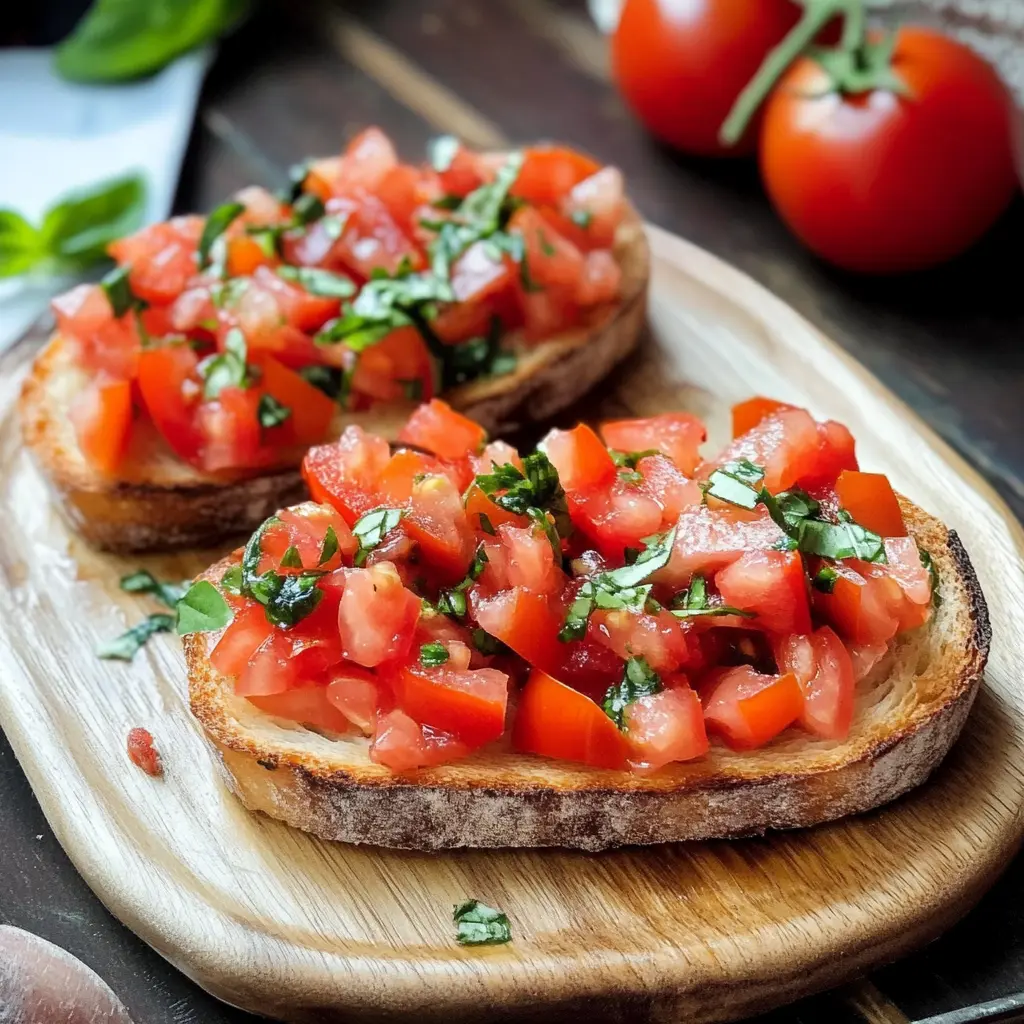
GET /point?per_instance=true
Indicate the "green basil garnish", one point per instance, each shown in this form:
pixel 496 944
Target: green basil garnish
pixel 371 529
pixel 216 224
pixel 433 654
pixel 202 609
pixel 129 643
pixel 638 680
pixel 480 925
pixel 270 412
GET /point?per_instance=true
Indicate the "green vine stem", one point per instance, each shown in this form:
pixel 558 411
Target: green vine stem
pixel 816 15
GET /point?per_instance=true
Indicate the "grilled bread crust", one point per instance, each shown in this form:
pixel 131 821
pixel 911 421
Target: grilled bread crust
pixel 159 502
pixel 909 711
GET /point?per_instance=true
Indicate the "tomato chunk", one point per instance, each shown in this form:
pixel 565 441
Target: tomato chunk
pixel 306 704
pixel 665 727
pixel 580 457
pixel 824 670
pixel 437 427
pixel 401 744
pixel 345 474
pixel 554 720
pixel 163 374
pixel 749 414
pixel 102 418
pixel 377 615
pixel 527 622
pixel 676 434
pixel 747 709
pixel 870 499
pixel 773 586
pixel 468 704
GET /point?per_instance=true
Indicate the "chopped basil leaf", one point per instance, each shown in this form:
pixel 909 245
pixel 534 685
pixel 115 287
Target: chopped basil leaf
pixel 433 654
pixel 226 369
pixel 824 579
pixel 270 412
pixel 216 224
pixel 320 282
pixel 480 559
pixel 655 555
pixel 412 389
pixel 535 486
pixel 119 292
pixel 327 379
pixel 307 208
pixel 487 644
pixel 144 582
pixel 371 529
pixel 453 602
pixel 638 680
pixel 441 152
pixel 696 603
pixel 333 225
pixel 231 581
pixel 840 540
pixel 485 523
pixel 291 559
pixel 480 925
pixel 545 246
pixel 790 508
pixel 297 175
pixel 933 575
pixel 629 460
pixel 581 218
pixel 202 609
pixel 475 358
pixel 449 202
pixel 129 643
pixel 329 548
pixel 731 488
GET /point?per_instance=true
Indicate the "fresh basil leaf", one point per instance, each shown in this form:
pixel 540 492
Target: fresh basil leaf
pixel 327 379
pixel 629 460
pixel 216 224
pixel 297 175
pixel 433 654
pixel 730 488
pixel 933 575
pixel 480 559
pixel 294 598
pixel 441 152
pixel 21 245
pixel 371 529
pixel 476 358
pixel 227 369
pixel 144 582
pixel 824 579
pixel 308 208
pixel 655 555
pixel 119 293
pixel 291 559
pixel 638 680
pixel 129 643
pixel 535 486
pixel 485 523
pixel 231 581
pixel 317 281
pixel 487 644
pixel 840 540
pixel 480 925
pixel 124 39
pixel 712 611
pixel 790 508
pixel 271 413
pixel 329 548
pixel 452 602
pixel 202 609
pixel 545 244
pixel 576 619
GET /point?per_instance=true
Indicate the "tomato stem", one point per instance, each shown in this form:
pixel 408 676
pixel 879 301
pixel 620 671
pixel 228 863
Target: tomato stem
pixel 817 14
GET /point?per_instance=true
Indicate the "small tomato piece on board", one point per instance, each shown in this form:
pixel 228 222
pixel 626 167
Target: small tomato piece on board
pixel 823 669
pixel 554 720
pixel 748 709
pixel 143 754
pixel 437 427
pixel 870 499
pixel 665 727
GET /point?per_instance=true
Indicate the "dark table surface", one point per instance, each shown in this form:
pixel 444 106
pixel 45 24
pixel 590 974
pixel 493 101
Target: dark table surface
pixel 299 79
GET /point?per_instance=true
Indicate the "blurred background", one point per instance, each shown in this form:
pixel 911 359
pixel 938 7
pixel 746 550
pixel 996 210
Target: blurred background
pixel 202 97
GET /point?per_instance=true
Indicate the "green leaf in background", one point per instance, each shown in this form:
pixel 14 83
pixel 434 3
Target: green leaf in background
pixel 125 39
pixel 75 231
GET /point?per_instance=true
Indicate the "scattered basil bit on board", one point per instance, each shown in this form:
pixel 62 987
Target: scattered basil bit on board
pixel 142 581
pixel 481 925
pixel 129 643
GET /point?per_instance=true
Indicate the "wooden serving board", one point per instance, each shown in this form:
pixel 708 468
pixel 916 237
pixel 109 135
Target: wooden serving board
pixel 272 920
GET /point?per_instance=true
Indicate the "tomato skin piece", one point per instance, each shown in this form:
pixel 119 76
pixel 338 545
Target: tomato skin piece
pixel 345 474
pixel 308 704
pixel 550 172
pixel 527 622
pixel 677 435
pixel 437 523
pixel 311 410
pixel 665 727
pixel 682 66
pixel 531 559
pixel 245 254
pixel 437 427
pixel 354 692
pixel 747 709
pixel 824 670
pixel 476 274
pixel 469 704
pixel 554 720
pixel 899 183
pixel 747 415
pixel 580 457
pixel 870 499
pixel 162 373
pixel 376 616
pixel 478 505
pixel 660 637
pixel 401 744
pixel 102 417
pixel 231 430
pixel 671 489
pixel 772 584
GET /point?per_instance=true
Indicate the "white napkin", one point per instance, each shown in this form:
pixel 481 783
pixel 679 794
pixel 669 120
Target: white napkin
pixel 56 136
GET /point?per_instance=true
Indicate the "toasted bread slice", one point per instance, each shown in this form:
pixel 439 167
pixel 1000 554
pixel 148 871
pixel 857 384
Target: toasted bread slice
pixel 160 502
pixel 908 713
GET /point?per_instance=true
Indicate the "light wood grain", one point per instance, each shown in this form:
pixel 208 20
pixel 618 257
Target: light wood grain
pixel 275 921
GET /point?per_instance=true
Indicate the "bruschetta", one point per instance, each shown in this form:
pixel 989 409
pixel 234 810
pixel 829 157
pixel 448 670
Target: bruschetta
pixel 610 640
pixel 175 400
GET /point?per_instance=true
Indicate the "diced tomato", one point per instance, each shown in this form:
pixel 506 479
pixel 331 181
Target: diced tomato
pixel 102 417
pixel 193 310
pixel 824 671
pixel 437 522
pixel 905 566
pixel 710 539
pixel 400 189
pixel 371 238
pixel 590 667
pixel 496 453
pixel 305 527
pixel 660 638
pixel 676 434
pixel 261 206
pixel 771 584
pixel 864 657
pixel 478 504
pixel 600 279
pixel 82 311
pixel 747 415
pixel 246 631
pixel 395 483
pixel 101 343
pixel 479 272
pixel 231 430
pixel 401 744
pixel 836 452
pixel 245 254
pixel 377 615
pixel 163 374
pixel 579 456
pixel 440 429
pixel 354 692
pixel 665 727
pixel 527 622
pixel 345 474
pixel 310 410
pixel 457 322
pixel 300 308
pixel 162 257
pixel 551 259
pixel 531 559
pixel 784 443
pixel 870 499
pixel 465 173
pixel 548 311
pixel 670 488
pixel 863 605
pixel 397 366
pixel 616 516
pixel 554 720
pixel 748 709
pixel 599 202
pixel 367 160
pixel 307 704
pixel 549 173
pixel 468 704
